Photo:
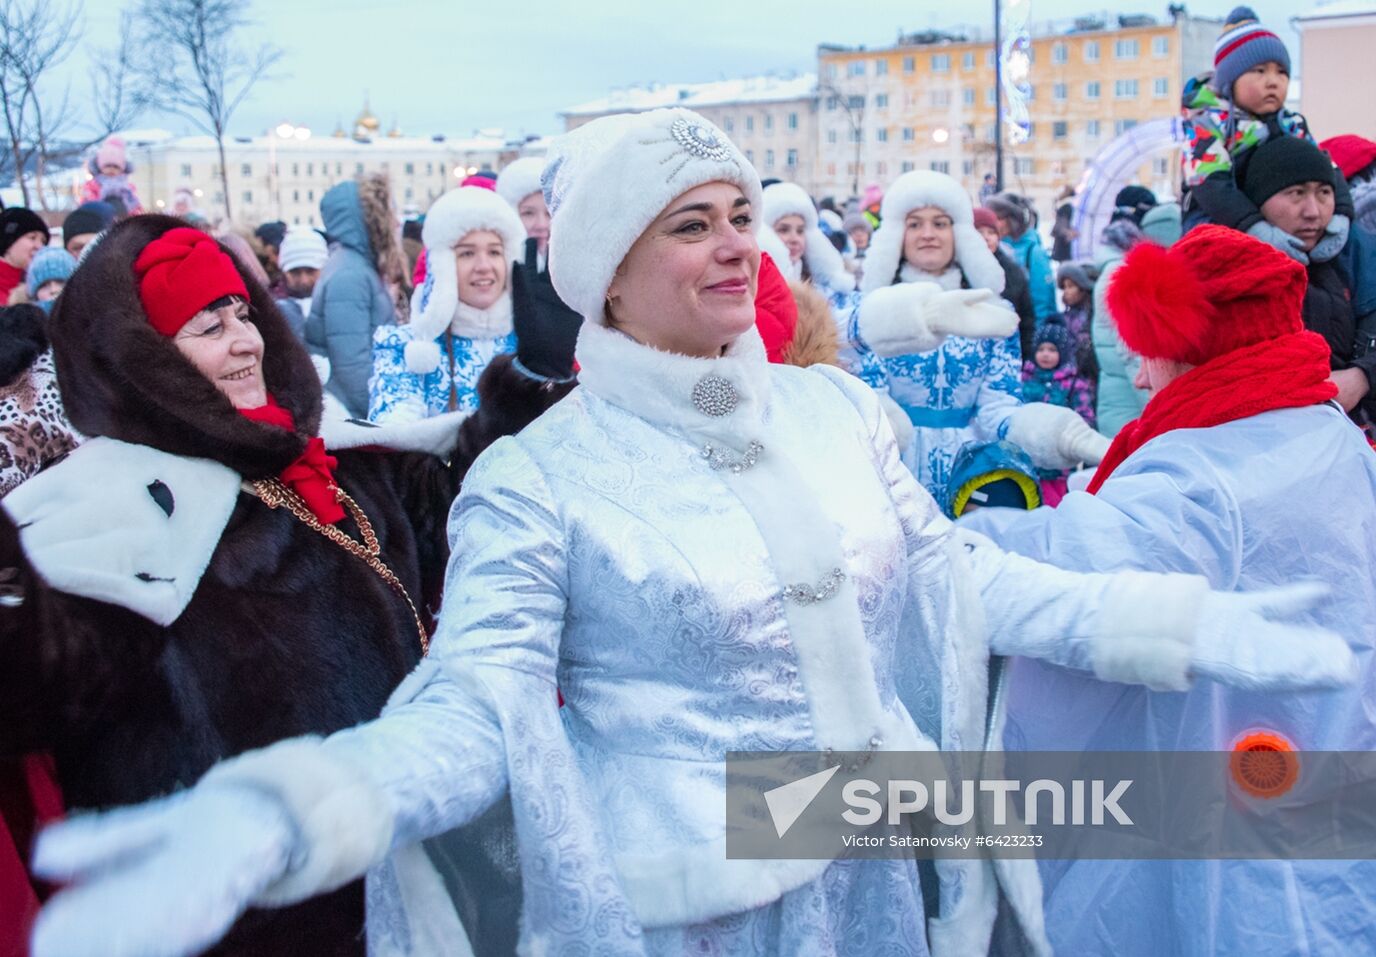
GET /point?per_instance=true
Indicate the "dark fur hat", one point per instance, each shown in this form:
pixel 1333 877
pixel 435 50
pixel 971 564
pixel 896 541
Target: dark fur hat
pixel 120 378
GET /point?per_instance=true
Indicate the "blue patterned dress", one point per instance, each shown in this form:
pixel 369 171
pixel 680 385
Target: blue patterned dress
pixel 396 394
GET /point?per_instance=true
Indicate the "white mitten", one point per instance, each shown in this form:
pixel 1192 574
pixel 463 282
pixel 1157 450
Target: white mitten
pixel 170 877
pixel 1055 437
pixel 914 317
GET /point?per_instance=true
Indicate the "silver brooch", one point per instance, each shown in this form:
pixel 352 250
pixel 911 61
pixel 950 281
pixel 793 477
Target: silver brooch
pixel 715 396
pixel 809 595
pixel 699 140
pixel 718 459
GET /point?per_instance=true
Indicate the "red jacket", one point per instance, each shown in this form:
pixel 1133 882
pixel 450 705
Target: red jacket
pixel 776 314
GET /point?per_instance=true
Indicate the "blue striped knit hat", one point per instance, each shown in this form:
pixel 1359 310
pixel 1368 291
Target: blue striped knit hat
pixel 1243 44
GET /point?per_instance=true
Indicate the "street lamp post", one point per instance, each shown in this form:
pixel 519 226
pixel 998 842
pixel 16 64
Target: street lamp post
pixel 998 95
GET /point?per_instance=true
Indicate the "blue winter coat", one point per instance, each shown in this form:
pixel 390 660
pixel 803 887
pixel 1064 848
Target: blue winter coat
pixel 1236 503
pixel 1028 252
pixel 350 300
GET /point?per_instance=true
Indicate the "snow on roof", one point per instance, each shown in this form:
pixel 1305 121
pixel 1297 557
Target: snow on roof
pixel 333 144
pixel 751 89
pixel 1339 8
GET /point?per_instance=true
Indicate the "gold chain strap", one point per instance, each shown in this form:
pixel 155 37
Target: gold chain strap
pixel 276 495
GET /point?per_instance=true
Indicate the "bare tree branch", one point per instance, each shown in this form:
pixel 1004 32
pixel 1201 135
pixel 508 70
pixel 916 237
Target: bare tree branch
pixel 199 67
pixel 36 38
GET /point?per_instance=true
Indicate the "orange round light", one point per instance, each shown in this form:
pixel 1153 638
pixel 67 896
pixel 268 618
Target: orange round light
pixel 1264 764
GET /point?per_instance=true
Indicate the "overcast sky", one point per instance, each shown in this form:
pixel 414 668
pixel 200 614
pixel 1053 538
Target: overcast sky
pixel 454 66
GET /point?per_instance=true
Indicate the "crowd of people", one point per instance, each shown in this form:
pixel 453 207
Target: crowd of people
pixel 401 587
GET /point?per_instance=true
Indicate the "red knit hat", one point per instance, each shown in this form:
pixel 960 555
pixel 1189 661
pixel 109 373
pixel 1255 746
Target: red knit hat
pixel 985 218
pixel 180 273
pixel 1352 153
pixel 1214 291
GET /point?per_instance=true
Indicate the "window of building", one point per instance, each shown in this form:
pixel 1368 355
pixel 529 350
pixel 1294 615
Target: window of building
pixel 1160 86
pixel 831 71
pixel 941 99
pixel 831 136
pixel 793 121
pixel 730 125
pixel 218 198
pixel 990 95
pixel 906 166
pixel 186 169
pixel 339 169
pixel 856 102
pixel 246 169
pixel 967 167
pixel 882 134
pixel 941 63
pixel 881 100
pixel 769 159
pixel 410 169
pixel 941 166
pixel 310 169
pixel 1125 49
pixel 1124 89
pixel 310 195
pixel 1122 126
pixel 429 169
pixel 750 124
pixel 991 131
pixel 792 160
pixel 1092 90
pixel 410 193
pixel 296 196
pixel 855 68
pixel 881 67
pixel 750 156
pixel 909 134
pixel 358 167
pixel 1058 92
pixel 1092 129
pixel 1060 53
pixel 1160 46
pixel 857 136
pixel 989 58
pixel 967 96
pixel 1091 50
pixel 1059 129
pixel 248 197
pixel 1024 166
pixel 967 60
pixel 769 122
pixel 833 102
pixel 909 64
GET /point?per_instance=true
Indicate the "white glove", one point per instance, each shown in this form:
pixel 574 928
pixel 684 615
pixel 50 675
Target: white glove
pixel 1055 437
pixel 1241 639
pixel 915 317
pixel 162 879
pixel 1333 240
pixel 1292 246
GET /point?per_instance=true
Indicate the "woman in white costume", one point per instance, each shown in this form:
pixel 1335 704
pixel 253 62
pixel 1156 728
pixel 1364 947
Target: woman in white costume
pixel 947 345
pixel 704 553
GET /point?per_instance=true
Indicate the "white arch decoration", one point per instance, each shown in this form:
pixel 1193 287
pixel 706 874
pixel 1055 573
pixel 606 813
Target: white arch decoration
pixel 1110 171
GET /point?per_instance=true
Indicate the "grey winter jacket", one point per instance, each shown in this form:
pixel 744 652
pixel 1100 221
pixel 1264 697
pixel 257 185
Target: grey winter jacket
pixel 350 300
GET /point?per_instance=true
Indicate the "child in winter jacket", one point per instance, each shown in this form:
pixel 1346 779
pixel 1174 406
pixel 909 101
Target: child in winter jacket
pixel 110 179
pixel 1227 118
pixel 1053 376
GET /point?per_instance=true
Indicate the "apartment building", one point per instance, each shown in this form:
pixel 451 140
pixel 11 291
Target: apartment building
pixel 1336 43
pixel 928 103
pixel 772 119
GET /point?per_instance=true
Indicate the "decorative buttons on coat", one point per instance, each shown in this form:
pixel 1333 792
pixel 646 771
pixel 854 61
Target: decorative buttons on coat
pixel 810 595
pixel 717 459
pixel 715 396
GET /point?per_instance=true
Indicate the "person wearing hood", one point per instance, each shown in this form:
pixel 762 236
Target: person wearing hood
pixel 1053 376
pixel 204 574
pixel 948 346
pixel 302 255
pixel 1018 230
pixel 1240 469
pixel 1076 283
pixel 705 553
pixel 461 316
pixel 110 171
pixel 84 224
pixel 359 288
pixel 1016 289
pixel 1355 157
pixel 1117 400
pixel 812 257
pixel 519 184
pixel 22 234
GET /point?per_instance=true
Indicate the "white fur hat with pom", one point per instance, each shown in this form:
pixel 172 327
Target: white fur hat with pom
pixel 824 263
pixel 913 191
pixel 608 180
pixel 520 178
pixel 453 216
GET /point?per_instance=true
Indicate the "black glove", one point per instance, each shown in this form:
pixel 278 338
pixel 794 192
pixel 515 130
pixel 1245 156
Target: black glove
pixel 546 329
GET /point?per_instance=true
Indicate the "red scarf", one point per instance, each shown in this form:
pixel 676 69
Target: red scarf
pixel 312 475
pixel 1287 372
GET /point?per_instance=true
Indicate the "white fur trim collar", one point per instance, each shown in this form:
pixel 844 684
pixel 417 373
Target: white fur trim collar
pixel 494 322
pixel 125 524
pixel 948 280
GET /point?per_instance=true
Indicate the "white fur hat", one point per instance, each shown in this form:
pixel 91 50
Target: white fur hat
pixel 606 181
pixel 453 216
pixel 823 261
pixel 913 191
pixel 519 179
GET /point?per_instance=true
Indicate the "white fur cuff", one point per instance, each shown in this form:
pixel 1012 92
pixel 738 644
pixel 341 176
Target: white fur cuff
pixel 422 357
pixel 1147 629
pixel 893 320
pixel 343 819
